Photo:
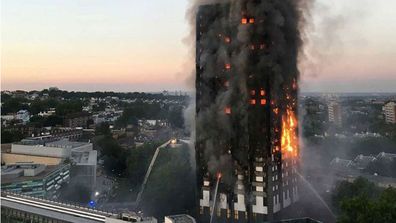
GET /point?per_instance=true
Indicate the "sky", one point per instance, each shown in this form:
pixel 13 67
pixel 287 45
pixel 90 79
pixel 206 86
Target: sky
pixel 130 45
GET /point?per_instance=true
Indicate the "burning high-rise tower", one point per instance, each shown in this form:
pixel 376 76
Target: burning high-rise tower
pixel 247 133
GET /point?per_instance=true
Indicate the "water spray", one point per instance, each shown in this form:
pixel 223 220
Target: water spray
pixel 316 193
pixel 215 196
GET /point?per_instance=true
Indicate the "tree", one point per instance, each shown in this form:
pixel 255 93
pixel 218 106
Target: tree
pixel 138 161
pixel 102 129
pixel 69 107
pixel 361 202
pixel 13 105
pixel 175 117
pixel 10 136
pixel 114 156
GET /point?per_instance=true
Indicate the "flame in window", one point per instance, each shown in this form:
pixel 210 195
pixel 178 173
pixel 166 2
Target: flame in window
pixel 227 110
pixel 251 20
pixel 252 101
pixel 244 20
pixel 227 66
pixel 289 140
pixel 276 111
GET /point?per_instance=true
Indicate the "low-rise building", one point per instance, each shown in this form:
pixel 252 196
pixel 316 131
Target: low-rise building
pixel 82 157
pixel 22 208
pixel 341 164
pixel 181 218
pixel 34 179
pixel 361 161
pixel 386 156
pixel 77 120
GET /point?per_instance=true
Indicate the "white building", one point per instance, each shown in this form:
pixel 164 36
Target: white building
pixel 81 155
pixel 23 115
pixel 181 218
pixel 389 110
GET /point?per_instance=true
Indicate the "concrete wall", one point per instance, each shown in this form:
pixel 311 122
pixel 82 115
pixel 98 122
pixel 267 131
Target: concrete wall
pixel 34 172
pixel 39 150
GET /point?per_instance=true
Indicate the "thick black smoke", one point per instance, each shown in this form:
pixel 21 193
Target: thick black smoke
pixel 276 32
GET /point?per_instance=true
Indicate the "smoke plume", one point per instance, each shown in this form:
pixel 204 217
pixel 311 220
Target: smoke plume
pixel 281 22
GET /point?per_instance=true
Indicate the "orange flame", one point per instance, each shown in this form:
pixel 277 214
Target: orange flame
pixel 227 110
pixel 289 140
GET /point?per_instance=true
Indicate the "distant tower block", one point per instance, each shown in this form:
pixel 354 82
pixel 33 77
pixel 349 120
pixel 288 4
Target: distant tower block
pixel 335 113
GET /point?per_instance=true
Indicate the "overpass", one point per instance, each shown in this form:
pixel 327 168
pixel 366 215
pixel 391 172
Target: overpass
pixel 26 208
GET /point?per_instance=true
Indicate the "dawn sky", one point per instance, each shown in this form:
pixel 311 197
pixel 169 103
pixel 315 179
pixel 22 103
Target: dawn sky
pixel 129 45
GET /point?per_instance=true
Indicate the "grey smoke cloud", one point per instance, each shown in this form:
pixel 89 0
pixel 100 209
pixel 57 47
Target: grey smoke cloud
pixel 212 121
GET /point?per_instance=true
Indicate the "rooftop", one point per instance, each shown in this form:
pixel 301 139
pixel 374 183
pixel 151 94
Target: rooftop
pixel 65 143
pixel 341 163
pixel 14 169
pixel 84 157
pixel 181 218
pixel 383 155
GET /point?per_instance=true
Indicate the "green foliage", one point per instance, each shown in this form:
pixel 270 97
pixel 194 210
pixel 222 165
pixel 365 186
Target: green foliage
pixel 38 105
pixel 175 117
pixel 13 105
pixel 138 161
pixel 314 119
pixel 172 181
pixel 11 136
pixel 102 129
pixel 69 107
pixel 139 110
pixel 114 156
pixel 50 121
pixel 362 202
pixel 101 106
pixel 360 187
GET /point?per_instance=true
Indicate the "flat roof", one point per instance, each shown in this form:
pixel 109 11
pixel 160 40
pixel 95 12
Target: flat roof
pixel 47 171
pixel 84 157
pixel 65 143
pixel 181 218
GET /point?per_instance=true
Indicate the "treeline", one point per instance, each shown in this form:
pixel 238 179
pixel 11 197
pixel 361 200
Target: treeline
pixel 361 201
pixel 121 162
pixel 64 107
pixel 139 110
pixel 101 94
pixel 172 181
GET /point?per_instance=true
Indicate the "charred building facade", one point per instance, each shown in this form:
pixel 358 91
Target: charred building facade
pixel 246 107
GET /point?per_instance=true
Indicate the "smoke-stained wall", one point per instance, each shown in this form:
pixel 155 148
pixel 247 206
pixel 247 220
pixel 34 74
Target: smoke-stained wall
pixel 246 99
